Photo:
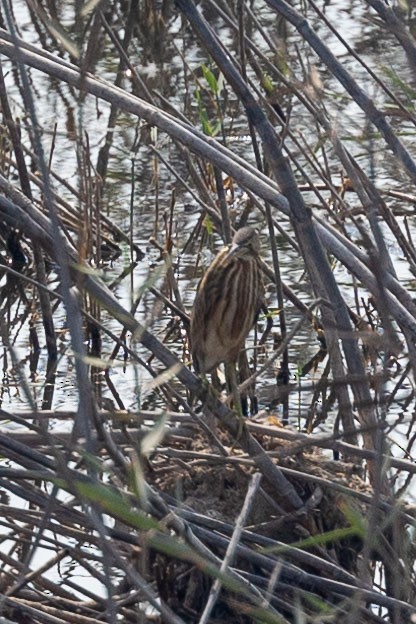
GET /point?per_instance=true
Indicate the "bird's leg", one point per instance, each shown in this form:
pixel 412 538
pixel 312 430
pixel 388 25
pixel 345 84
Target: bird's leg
pixel 193 397
pixel 204 397
pixel 216 383
pixel 208 416
pixel 232 380
pixel 248 397
pixel 232 383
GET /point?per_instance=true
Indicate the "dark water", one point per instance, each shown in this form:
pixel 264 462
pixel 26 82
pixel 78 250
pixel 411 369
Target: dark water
pixel 172 70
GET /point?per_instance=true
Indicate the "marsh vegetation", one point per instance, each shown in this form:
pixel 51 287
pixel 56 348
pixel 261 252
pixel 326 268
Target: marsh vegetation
pixel 135 138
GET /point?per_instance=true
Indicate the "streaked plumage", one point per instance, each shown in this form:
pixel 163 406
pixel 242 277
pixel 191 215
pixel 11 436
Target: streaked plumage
pixel 228 300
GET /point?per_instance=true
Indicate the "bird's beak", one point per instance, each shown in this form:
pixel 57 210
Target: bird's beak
pixel 232 250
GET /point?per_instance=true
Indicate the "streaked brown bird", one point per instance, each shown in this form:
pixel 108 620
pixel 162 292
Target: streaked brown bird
pixel 229 298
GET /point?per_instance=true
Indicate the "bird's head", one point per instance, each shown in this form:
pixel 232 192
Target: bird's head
pixel 246 242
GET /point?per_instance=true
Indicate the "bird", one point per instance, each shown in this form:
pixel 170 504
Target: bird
pixel 229 298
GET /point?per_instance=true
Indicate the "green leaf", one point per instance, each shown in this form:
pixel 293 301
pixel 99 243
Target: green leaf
pixel 208 225
pixel 210 78
pixel 203 117
pixel 267 84
pixel 399 83
pixel 114 504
